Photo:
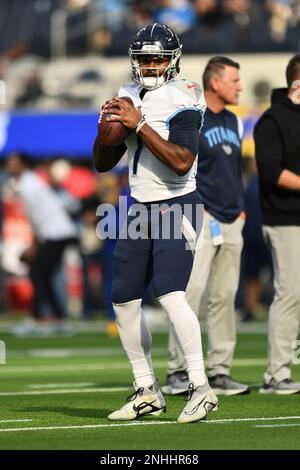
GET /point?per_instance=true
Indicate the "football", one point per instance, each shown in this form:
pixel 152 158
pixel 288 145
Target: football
pixel 112 133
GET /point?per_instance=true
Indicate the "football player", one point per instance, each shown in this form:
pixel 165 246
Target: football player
pixel 165 118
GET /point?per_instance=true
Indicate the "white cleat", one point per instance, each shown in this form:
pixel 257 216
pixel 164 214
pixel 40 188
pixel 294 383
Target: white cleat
pixel 201 401
pixel 144 401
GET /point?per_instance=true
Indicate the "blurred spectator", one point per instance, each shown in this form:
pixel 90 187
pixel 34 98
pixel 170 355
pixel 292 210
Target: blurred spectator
pixel 222 25
pixel 140 12
pixel 108 191
pixel 204 8
pixel 281 14
pixel 33 91
pixel 114 13
pixel 77 4
pixel 178 14
pixel 90 251
pixel 55 172
pixel 53 230
pixel 243 25
pixel 95 247
pixel 1 241
pixel 208 12
pixel 283 24
pixel 236 7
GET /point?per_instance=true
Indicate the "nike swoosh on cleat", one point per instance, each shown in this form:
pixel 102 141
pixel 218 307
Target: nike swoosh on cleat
pixel 208 406
pixel 193 411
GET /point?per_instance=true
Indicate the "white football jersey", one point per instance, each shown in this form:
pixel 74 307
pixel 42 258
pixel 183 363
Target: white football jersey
pixel 149 178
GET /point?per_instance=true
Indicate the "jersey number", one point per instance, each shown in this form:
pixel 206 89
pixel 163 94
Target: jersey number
pixel 137 155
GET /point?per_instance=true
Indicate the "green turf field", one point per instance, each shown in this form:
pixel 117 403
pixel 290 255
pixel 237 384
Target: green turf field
pixel 55 393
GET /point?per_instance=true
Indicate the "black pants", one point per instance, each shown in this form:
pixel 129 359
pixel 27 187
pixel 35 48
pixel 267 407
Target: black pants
pixel 47 260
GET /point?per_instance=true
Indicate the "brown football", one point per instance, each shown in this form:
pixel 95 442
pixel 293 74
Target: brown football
pixel 113 133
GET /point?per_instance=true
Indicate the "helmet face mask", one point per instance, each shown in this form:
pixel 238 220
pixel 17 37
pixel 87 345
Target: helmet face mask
pixel 156 41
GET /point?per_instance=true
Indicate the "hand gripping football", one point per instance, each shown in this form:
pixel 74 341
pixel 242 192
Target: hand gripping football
pixel 112 133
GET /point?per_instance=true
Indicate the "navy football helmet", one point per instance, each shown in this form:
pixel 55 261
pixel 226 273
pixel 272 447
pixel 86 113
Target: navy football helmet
pixel 155 40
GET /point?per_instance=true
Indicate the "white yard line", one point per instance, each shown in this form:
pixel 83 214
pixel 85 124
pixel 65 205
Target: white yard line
pixel 62 385
pixel 238 420
pixel 64 368
pixel 120 365
pixel 63 391
pixel 144 423
pixel 15 420
pixel 106 352
pixel 276 425
pixel 74 352
pixel 84 327
pixel 88 426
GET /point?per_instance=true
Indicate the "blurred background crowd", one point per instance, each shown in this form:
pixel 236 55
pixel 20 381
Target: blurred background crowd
pixel 59 60
pixel 45 26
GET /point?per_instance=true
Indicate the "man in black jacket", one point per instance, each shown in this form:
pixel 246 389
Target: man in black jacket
pixel 277 141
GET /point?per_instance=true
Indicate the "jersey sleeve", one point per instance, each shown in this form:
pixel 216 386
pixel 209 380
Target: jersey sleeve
pixel 184 130
pixel 131 90
pixel 188 95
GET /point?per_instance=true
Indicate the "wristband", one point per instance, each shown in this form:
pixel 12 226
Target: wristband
pixel 140 124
